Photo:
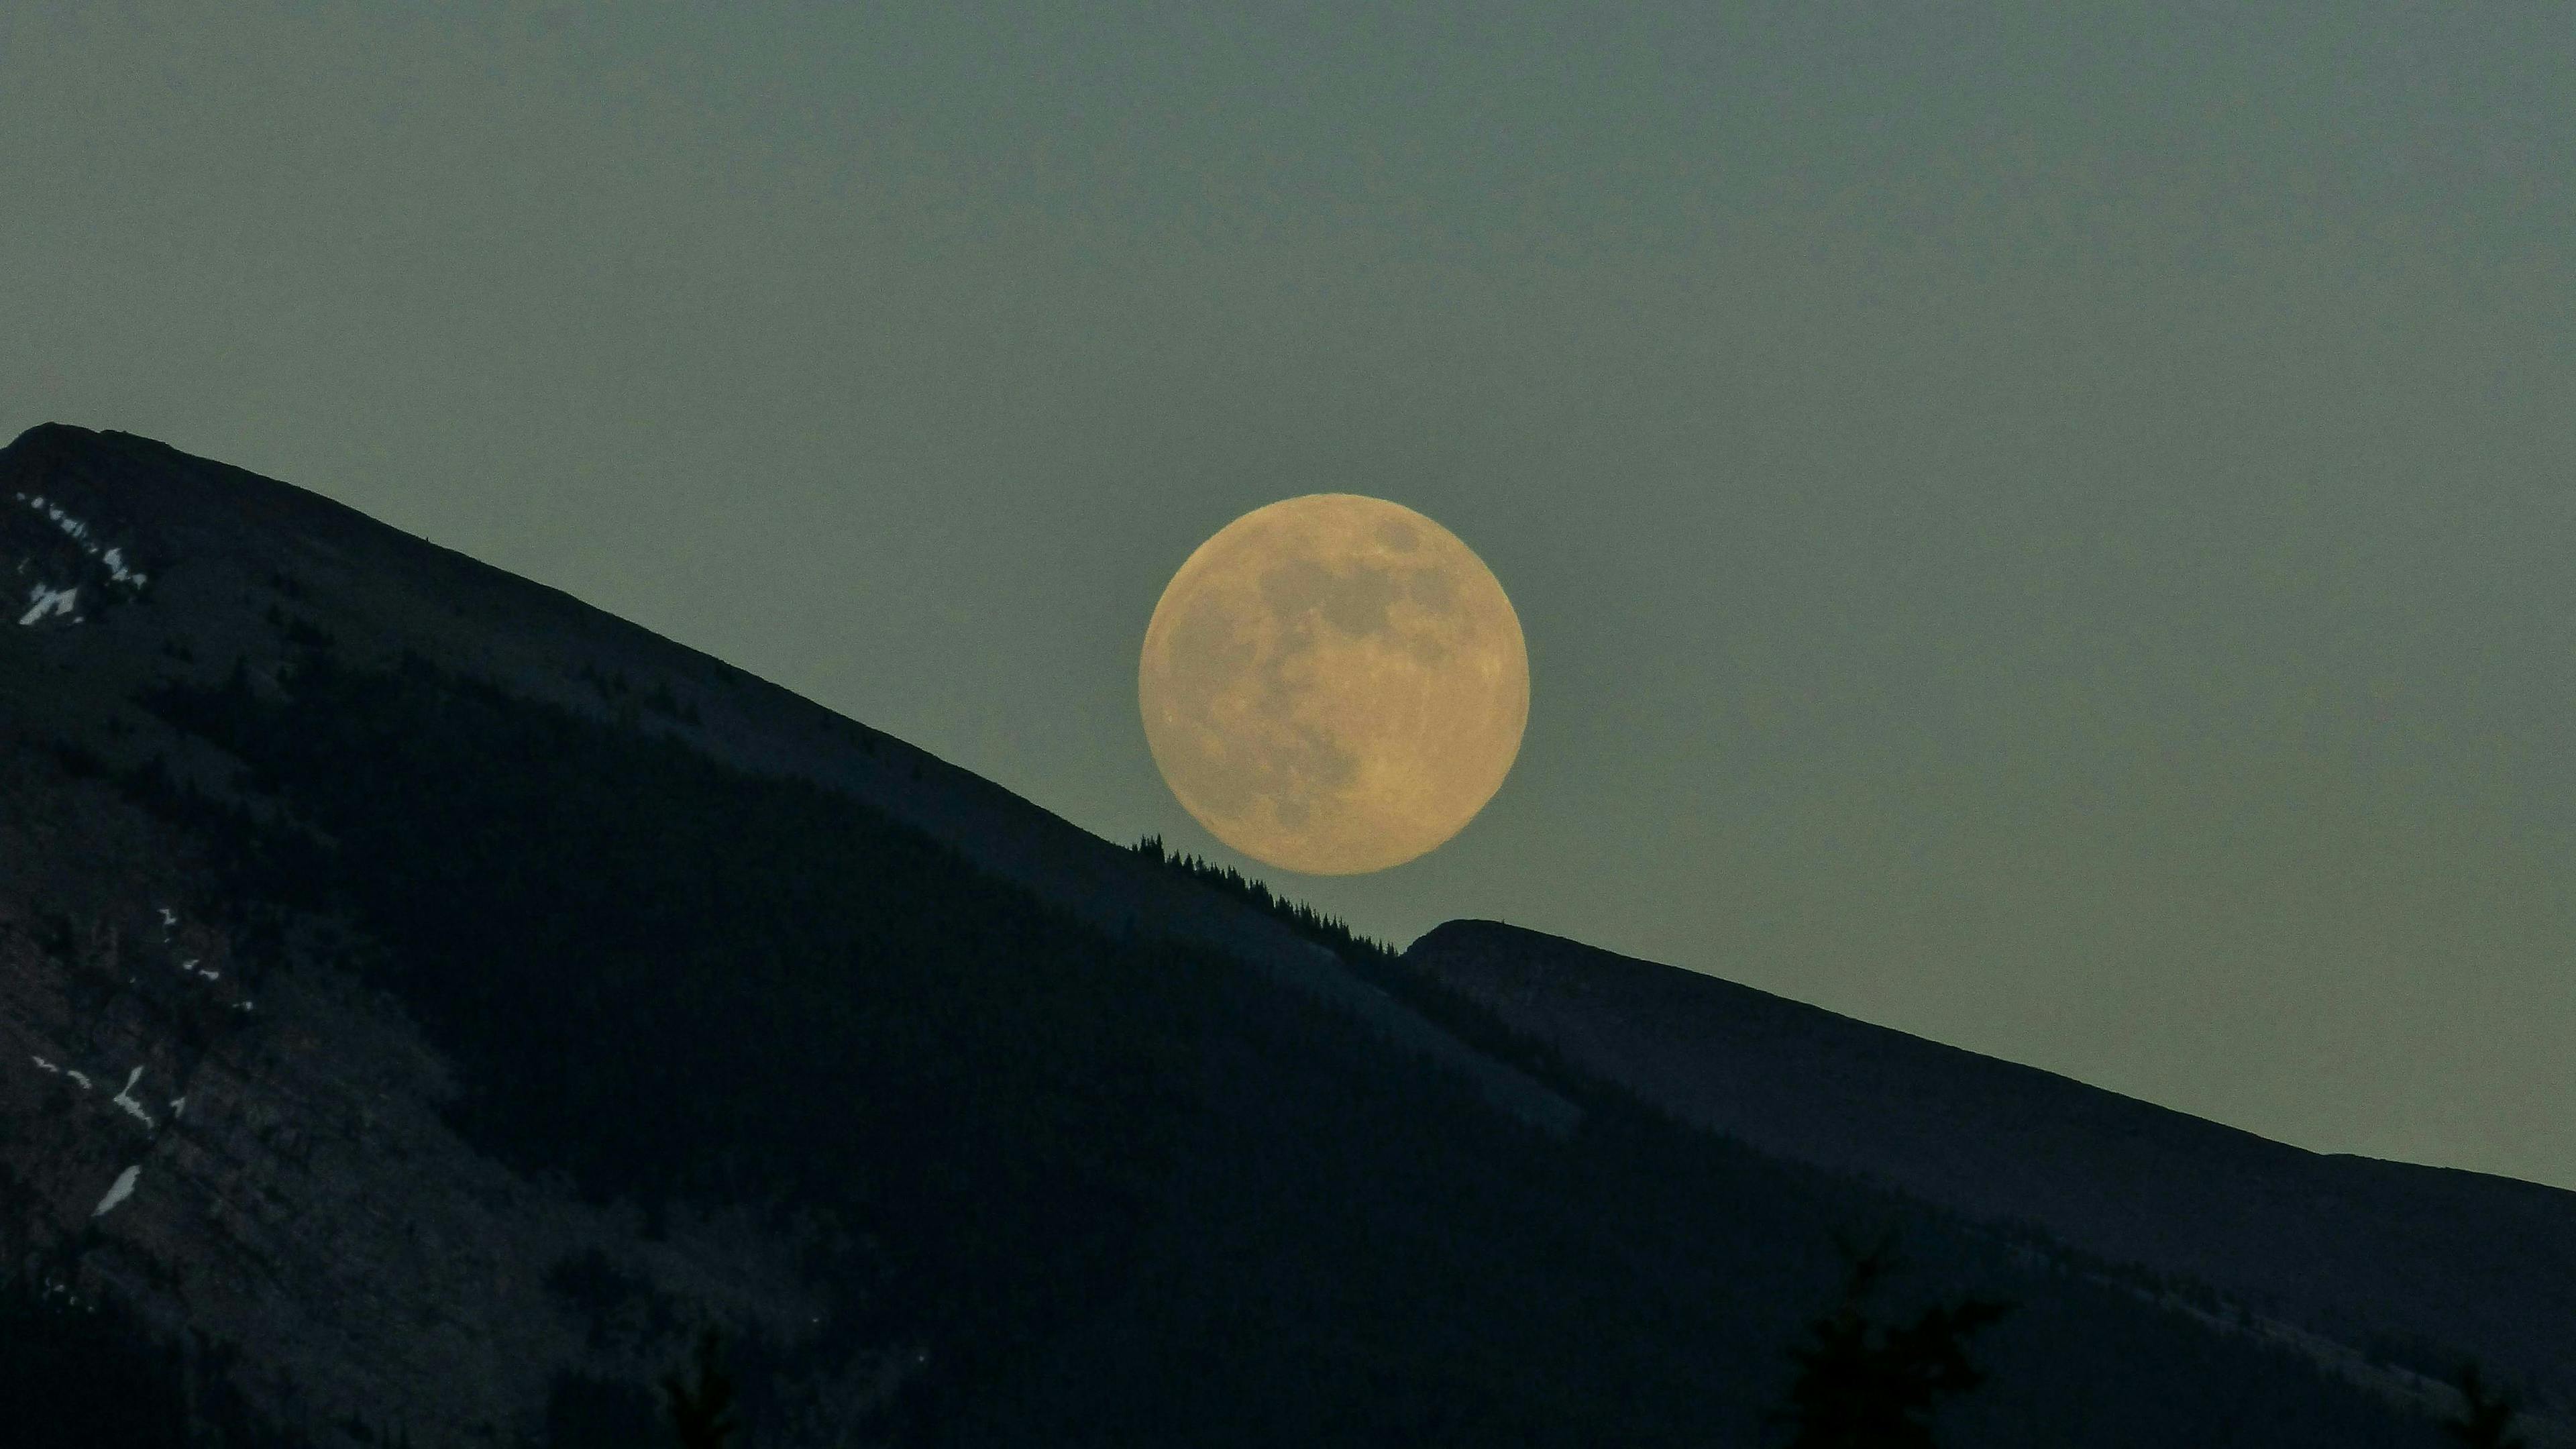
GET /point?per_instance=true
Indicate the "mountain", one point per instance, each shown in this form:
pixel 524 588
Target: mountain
pixel 426 1002
pixel 2423 1265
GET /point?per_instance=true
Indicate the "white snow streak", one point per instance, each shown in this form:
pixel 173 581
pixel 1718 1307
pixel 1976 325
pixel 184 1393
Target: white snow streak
pixel 43 601
pixel 119 1192
pixel 114 558
pixel 45 1066
pixel 73 526
pixel 125 1098
pixel 78 1077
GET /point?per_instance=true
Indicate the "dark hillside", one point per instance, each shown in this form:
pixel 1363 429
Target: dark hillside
pixel 482 1039
pixel 1119 1192
pixel 2369 1254
pixel 223 567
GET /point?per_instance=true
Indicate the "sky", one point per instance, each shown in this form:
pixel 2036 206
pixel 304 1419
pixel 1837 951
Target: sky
pixel 2047 527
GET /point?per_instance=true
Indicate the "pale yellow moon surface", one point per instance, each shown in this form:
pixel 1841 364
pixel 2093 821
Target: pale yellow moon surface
pixel 1334 684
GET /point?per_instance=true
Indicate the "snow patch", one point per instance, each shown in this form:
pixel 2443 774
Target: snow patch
pixel 169 920
pixel 178 1104
pixel 43 601
pixel 78 1077
pixel 122 1189
pixel 45 1066
pixel 68 524
pixel 114 558
pixel 125 1098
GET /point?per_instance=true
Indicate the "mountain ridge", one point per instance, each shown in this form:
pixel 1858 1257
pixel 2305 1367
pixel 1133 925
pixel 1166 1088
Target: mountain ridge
pixel 2351 1246
pixel 395 593
pixel 423 997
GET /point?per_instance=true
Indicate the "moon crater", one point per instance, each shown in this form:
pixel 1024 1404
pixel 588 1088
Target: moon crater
pixel 1334 684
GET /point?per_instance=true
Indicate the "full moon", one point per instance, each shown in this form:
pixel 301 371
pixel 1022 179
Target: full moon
pixel 1334 684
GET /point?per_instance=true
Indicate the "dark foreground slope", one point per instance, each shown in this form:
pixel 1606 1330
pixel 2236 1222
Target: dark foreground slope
pixel 407 1029
pixel 2417 1265
pixel 163 564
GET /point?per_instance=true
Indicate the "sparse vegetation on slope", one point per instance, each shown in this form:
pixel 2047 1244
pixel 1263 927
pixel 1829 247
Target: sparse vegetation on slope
pixel 1314 925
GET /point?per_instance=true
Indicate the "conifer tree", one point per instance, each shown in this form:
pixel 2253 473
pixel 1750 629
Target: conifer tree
pixel 2487 1421
pixel 702 1412
pixel 1863 1384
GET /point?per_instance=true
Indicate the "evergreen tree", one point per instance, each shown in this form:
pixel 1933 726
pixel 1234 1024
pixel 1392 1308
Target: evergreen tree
pixel 1863 1384
pixel 2487 1421
pixel 702 1412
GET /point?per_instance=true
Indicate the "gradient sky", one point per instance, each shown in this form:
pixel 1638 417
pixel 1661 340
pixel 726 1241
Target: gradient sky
pixel 2049 527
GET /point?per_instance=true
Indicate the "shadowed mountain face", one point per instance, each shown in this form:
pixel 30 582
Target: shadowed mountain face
pixel 2371 1254
pixel 425 1002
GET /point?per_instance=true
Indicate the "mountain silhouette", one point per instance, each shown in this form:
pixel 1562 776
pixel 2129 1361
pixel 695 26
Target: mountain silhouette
pixel 430 1007
pixel 2361 1252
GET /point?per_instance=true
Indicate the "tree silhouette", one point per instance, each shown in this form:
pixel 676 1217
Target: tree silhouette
pixel 702 1412
pixel 1862 1384
pixel 2487 1422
